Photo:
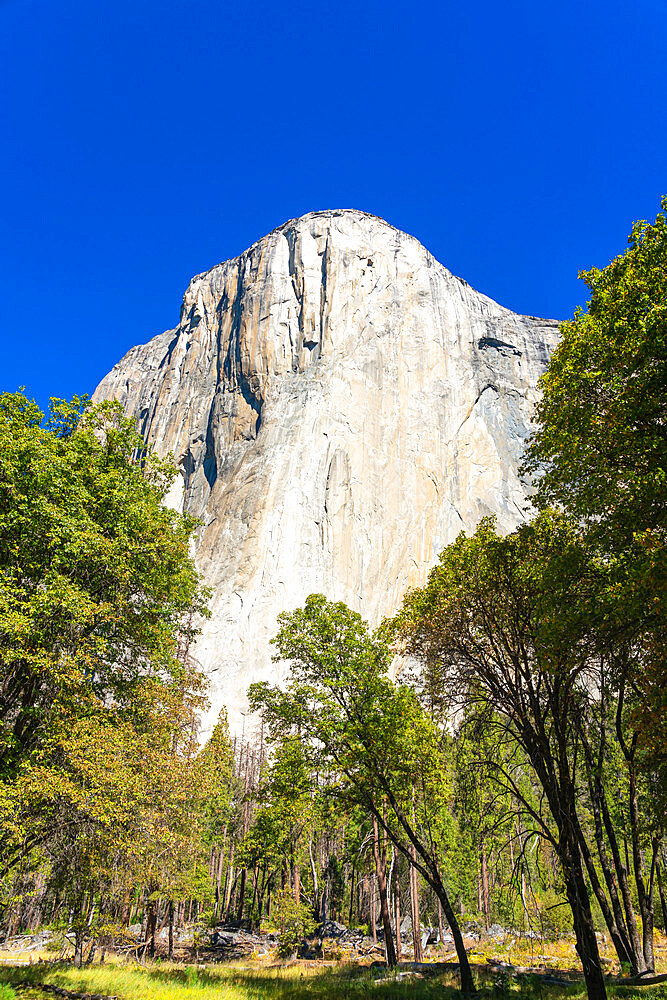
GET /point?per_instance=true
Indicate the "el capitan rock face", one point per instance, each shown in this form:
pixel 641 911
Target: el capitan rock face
pixel 340 406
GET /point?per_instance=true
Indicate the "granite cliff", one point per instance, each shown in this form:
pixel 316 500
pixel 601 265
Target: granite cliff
pixel 340 406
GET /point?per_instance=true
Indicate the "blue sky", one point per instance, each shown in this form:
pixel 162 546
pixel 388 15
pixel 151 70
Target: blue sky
pixel 146 141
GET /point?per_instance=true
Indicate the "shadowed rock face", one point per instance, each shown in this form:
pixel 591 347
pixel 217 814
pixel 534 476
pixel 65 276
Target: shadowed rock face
pixel 340 406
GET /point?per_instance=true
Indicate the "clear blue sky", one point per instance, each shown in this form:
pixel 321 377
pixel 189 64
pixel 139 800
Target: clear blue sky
pixel 146 141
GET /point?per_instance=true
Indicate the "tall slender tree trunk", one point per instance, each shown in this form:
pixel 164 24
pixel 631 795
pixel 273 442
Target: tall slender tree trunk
pixel 610 880
pixel 144 926
pixel 78 946
pixel 381 871
pixel 621 944
pixel 218 876
pixel 255 892
pixel 170 953
pixel 577 894
pixel 485 884
pixel 229 879
pixel 624 886
pixel 371 909
pixel 296 878
pixel 644 898
pixel 663 900
pixel 467 982
pixel 397 917
pixel 414 913
pixel 242 887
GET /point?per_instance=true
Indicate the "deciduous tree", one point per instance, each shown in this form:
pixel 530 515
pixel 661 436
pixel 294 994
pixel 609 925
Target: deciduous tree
pixel 370 733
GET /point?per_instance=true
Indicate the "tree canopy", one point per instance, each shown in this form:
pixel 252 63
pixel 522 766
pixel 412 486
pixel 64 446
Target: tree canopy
pixel 601 444
pixel 383 751
pixel 600 450
pixel 97 587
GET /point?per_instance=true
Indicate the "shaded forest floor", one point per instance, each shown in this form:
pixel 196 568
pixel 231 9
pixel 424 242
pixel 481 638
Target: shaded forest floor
pixel 300 981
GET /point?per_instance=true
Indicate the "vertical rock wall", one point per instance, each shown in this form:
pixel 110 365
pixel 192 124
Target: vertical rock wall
pixel 340 407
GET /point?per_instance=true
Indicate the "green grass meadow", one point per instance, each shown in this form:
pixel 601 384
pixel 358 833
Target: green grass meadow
pixel 166 982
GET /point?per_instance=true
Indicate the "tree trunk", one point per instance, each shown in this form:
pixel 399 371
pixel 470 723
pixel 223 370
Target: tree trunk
pixel 467 982
pixel 255 891
pixel 89 924
pixel 663 901
pixel 610 880
pixel 397 917
pixel 78 936
pixel 414 913
pixel 577 895
pixel 260 902
pixel 218 876
pixel 78 946
pixel 620 942
pixel 296 878
pixel 644 897
pixel 485 885
pixel 170 953
pixel 150 928
pixel 241 907
pixel 229 879
pixel 371 910
pixel 144 926
pixel 555 774
pixel 624 886
pixel 381 871
pixel 324 902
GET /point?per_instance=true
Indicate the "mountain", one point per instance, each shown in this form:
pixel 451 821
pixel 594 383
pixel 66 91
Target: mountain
pixel 340 406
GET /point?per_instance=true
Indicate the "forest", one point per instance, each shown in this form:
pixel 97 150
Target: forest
pixel 489 764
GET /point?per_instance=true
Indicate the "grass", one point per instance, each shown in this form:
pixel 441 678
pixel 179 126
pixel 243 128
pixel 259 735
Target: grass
pixel 168 982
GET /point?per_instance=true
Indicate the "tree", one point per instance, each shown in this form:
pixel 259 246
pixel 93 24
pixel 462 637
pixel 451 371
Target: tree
pixel 98 599
pixel 600 450
pixel 380 747
pixel 507 622
pixel 96 583
pixel 215 771
pixel 296 922
pixel 491 816
pixel 600 454
pixel 274 843
pixel 109 808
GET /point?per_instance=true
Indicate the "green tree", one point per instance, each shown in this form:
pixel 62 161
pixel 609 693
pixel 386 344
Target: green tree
pixel 96 583
pixel 600 450
pixel 215 771
pixel 275 843
pixel 372 736
pixel 508 622
pixel 98 600
pixel 111 809
pixel 295 919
